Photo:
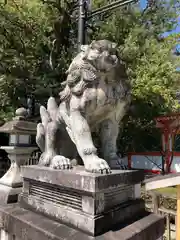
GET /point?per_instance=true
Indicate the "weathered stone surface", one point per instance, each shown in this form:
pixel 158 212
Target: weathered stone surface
pixel 79 179
pixel 9 194
pixel 95 98
pixel 90 224
pixel 90 202
pixel 18 157
pixel 11 182
pixel 27 225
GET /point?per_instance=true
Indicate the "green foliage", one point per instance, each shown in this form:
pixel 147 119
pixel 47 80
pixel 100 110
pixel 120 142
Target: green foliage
pixel 151 68
pixel 26 34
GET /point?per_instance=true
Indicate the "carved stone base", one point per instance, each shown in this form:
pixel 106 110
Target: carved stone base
pixel 9 194
pixel 90 202
pixel 21 224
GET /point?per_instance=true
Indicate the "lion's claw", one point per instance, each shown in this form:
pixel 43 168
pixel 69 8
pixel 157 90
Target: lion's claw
pixel 102 171
pixel 60 162
pixel 97 165
pixel 46 158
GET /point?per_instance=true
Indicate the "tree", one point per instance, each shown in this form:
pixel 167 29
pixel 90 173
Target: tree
pixel 26 34
pixel 151 67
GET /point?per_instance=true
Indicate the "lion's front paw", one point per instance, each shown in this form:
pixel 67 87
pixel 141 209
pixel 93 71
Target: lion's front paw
pixel 46 158
pixel 60 162
pixel 96 165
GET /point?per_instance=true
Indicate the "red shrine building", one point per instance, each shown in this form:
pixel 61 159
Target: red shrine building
pixel 169 126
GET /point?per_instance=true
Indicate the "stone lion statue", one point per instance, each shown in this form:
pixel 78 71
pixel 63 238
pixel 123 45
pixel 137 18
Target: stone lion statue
pixel 95 98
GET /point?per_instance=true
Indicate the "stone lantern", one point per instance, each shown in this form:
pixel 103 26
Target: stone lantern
pixel 20 131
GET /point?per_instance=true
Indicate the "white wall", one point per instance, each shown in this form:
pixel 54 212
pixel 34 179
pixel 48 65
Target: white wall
pixel 153 162
pixel 175 164
pixel 146 162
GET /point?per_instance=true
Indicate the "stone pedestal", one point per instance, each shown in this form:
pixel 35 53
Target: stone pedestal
pixel 21 224
pixel 74 204
pixel 11 182
pixel 89 202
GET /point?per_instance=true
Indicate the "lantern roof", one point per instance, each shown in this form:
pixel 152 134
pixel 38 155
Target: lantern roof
pixel 19 124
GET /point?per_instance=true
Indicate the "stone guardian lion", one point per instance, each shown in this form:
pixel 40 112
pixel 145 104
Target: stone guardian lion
pixel 95 98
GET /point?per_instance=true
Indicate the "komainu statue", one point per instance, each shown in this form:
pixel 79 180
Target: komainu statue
pixel 95 98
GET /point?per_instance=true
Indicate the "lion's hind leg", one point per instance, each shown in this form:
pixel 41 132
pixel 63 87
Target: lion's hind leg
pixel 109 134
pixel 49 135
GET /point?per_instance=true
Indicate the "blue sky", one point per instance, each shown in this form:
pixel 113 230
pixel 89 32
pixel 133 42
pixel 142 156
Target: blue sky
pixel 176 30
pixel 143 5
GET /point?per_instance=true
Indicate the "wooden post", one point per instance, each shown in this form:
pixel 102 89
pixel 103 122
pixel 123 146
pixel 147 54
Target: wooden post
pixel 178 214
pixel 155 202
pixel 168 226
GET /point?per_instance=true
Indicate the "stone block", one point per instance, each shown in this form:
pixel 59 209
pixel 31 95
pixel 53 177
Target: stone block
pixel 9 194
pixel 79 179
pixel 23 224
pixel 90 202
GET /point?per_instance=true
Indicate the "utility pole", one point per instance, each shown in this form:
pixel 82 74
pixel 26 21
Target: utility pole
pixel 82 23
pixel 84 16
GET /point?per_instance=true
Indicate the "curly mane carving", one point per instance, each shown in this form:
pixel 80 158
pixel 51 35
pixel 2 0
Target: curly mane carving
pixel 84 69
pixel 81 74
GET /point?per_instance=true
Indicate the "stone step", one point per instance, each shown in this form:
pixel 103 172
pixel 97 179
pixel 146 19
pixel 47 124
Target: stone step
pixel 18 223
